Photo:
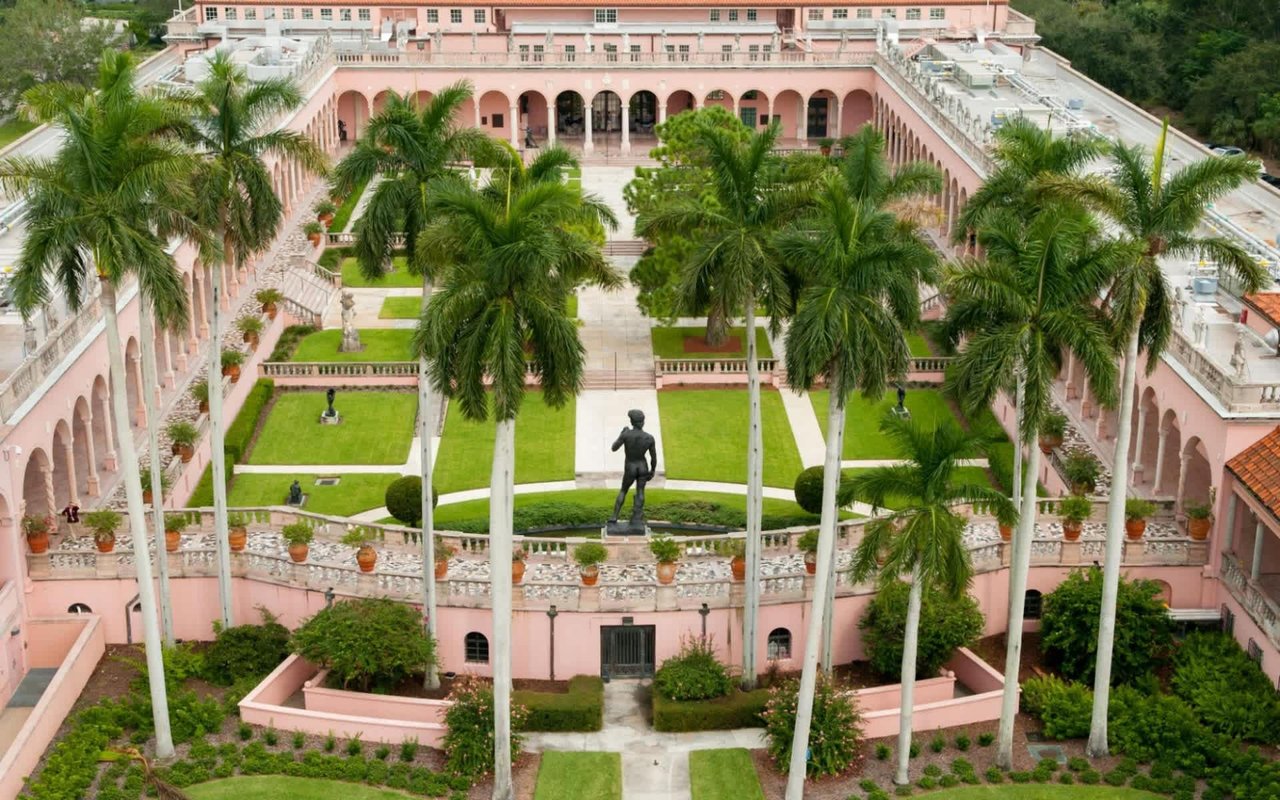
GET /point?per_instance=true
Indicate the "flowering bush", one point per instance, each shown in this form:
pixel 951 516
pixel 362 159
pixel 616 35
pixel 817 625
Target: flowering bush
pixel 468 744
pixel 835 734
pixel 694 674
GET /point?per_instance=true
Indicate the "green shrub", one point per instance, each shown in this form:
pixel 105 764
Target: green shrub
pixel 468 743
pixel 579 709
pixel 882 751
pixel 946 623
pixel 291 336
pixel 693 674
pixel 404 499
pixel 994 775
pixel 366 643
pixel 556 514
pixel 1227 689
pixel 963 742
pixel 937 743
pixel 354 746
pixel 736 710
pixel 835 734
pixel 808 490
pixel 986 739
pixel 251 651
pixel 299 740
pixel 240 432
pixel 1065 708
pixel 1069 627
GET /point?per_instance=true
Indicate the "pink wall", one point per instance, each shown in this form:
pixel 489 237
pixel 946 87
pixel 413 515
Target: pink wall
pixel 13 652
pixel 1245 629
pixel 383 706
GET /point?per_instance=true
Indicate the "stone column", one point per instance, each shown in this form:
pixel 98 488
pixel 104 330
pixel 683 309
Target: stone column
pixel 587 145
pixel 1071 372
pixel 197 324
pixel 1137 450
pixel 802 121
pixel 515 125
pixel 551 124
pixel 837 127
pixel 230 288
pixel 1255 567
pixel 69 453
pixel 1086 407
pixel 46 473
pixel 626 128
pixel 1229 531
pixel 1182 480
pixel 140 413
pixel 1155 483
pixel 109 459
pixel 91 485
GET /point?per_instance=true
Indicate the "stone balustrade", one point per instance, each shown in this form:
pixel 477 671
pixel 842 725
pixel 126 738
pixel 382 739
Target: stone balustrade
pixel 351 56
pixel 338 369
pixel 1261 606
pixel 1240 396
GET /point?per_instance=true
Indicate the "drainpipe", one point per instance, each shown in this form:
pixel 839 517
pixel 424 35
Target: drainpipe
pixel 551 615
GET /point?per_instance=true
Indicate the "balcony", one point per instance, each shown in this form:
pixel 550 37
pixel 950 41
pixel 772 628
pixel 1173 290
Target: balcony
pixel 1260 598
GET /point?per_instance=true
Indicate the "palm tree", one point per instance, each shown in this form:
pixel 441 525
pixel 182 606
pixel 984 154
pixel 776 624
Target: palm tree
pixel 736 268
pixel 232 129
pixel 1161 215
pixel 924 538
pixel 101 207
pixel 502 295
pixel 1023 308
pixel 411 149
pixel 861 296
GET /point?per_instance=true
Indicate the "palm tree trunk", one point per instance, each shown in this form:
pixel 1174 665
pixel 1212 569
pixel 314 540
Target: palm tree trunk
pixel 1017 596
pixel 826 553
pixel 717 326
pixel 1115 548
pixel 426 429
pixel 137 525
pixel 1019 396
pixel 217 453
pixel 501 491
pixel 755 505
pixel 146 335
pixel 909 641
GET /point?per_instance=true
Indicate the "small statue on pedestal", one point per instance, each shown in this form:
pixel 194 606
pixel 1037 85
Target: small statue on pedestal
pixel 350 336
pixel 295 492
pixel 636 444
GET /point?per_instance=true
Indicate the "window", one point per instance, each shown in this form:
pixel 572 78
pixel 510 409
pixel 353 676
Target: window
pixel 476 648
pixel 229 13
pixel 815 15
pixel 251 13
pixel 937 14
pixel 606 15
pixel 864 13
pixel 268 13
pixel 286 13
pixel 611 52
pixel 307 13
pixel 839 13
pixel 913 13
pixel 326 14
pixel 363 15
pixel 751 15
pixel 345 15
pixel 1255 652
pixel 210 13
pixel 433 15
pixel 889 13
pixel 81 608
pixel 570 52
pixel 779 644
pixel 498 121
pixel 455 16
pixel 1032 604
pixel 733 15
pixel 715 15
pixel 478 16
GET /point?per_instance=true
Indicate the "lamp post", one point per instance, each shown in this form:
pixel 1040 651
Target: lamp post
pixel 703 612
pixel 328 597
pixel 551 615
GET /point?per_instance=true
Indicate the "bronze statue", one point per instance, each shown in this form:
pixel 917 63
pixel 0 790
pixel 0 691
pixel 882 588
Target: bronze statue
pixel 636 468
pixel 295 494
pixel 329 395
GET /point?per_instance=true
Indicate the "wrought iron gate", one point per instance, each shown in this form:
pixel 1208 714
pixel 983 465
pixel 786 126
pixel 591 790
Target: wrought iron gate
pixel 626 651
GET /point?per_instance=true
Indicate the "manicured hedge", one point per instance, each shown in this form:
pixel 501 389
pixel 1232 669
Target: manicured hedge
pixel 579 709
pixel 738 710
pixel 235 441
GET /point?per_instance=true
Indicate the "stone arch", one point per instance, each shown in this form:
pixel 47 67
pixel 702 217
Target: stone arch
pixel 822 115
pixel 495 113
pixel 534 114
pixel 788 110
pixel 855 111
pixel 642 109
pixel 606 112
pixel 1166 481
pixel 65 489
pixel 353 112
pixel 754 104
pixel 1166 591
pixel 423 97
pixel 1146 437
pixel 380 100
pixel 104 423
pixel 719 97
pixel 570 113
pixel 1197 475
pixel 678 102
pixel 37 485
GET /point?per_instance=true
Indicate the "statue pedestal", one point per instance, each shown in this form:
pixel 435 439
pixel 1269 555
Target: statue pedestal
pixel 325 419
pixel 626 528
pixel 901 412
pixel 301 502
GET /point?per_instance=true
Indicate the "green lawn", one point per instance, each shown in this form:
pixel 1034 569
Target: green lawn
pixel 669 343
pixel 400 308
pixel 1029 791
pixel 380 344
pixel 398 278
pixel 724 775
pixel 862 436
pixel 579 776
pixel 376 428
pixel 918 346
pixel 272 787
pixel 544 447
pixel 704 432
pixel 353 494
pixel 571 306
pixel 342 218
pixel 13 130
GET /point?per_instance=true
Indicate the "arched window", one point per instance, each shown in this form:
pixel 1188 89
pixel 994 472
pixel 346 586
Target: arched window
pixel 779 644
pixel 1032 604
pixel 79 608
pixel 476 648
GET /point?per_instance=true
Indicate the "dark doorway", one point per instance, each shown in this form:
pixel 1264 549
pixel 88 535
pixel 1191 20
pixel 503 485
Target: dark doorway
pixel 626 651
pixel 817 118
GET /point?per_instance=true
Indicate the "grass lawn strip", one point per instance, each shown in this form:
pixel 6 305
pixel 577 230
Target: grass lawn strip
pixel 342 218
pixel 728 774
pixel 1040 792
pixel 862 436
pixel 918 346
pixel 13 130
pixel 376 428
pixel 544 447
pixel 272 787
pixel 669 343
pixel 704 433
pixel 579 776
pixel 398 278
pixel 354 493
pixel 380 344
pixel 399 308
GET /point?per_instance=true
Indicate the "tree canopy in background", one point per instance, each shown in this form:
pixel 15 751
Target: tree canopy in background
pixel 48 40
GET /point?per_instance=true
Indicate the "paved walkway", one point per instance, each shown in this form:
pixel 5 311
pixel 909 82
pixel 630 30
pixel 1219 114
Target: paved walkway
pixel 614 331
pixel 601 414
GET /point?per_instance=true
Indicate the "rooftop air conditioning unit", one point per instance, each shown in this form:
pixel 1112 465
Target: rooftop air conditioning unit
pixel 1205 286
pixel 1075 104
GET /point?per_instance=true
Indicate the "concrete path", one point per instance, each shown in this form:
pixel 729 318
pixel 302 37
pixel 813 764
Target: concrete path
pixel 614 331
pixel 601 414
pixel 804 427
pixel 368 306
pixel 607 183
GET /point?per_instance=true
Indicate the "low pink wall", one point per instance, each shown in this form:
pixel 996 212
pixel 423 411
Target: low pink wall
pixel 13 653
pixel 384 706
pixel 889 698
pixel 85 648
pixel 934 707
pixel 55 638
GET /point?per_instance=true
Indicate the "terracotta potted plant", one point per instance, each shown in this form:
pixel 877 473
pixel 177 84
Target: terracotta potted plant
pixel 251 329
pixel 589 556
pixel 1081 470
pixel 1136 511
pixel 1006 532
pixel 325 210
pixel 824 146
pixel 517 565
pixel 1052 429
pixel 443 552
pixel 314 232
pixel 808 544
pixel 366 556
pixel 736 549
pixel 183 435
pixel 1074 510
pixel 104 523
pixel 36 530
pixel 1005 520
pixel 166 483
pixel 270 299
pixel 1199 520
pixel 667 551
pixel 299 536
pixel 174 525
pixel 237 532
pixel 200 391
pixel 231 361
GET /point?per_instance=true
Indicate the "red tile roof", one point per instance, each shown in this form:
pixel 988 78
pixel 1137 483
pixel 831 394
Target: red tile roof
pixel 1258 468
pixel 1265 303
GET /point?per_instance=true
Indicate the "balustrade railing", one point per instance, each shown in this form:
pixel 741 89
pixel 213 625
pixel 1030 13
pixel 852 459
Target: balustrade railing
pixel 347 56
pixel 338 369
pixel 1237 394
pixel 1262 607
pixel 711 366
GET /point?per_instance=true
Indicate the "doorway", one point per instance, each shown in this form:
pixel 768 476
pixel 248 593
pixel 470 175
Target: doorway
pixel 626 651
pixel 817 127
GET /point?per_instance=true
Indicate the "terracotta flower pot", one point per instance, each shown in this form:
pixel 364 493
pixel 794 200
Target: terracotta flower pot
pixel 315 239
pixel 146 497
pixel 325 219
pixel 187 452
pixel 298 551
pixel 232 371
pixel 105 545
pixel 1198 529
pixel 1006 533
pixel 517 571
pixel 367 558
pixel 442 569
pixel 590 575
pixel 175 448
pixel 251 339
pixel 38 542
pixel 1071 530
pixel 1133 528
pixel 666 572
pixel 204 406
pixel 172 541
pixel 739 567
pixel 269 309
pixel 1049 443
pixel 811 563
pixel 237 537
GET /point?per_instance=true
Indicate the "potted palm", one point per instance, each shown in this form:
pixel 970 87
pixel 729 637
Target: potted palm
pixel 1136 511
pixel 251 327
pixel 1081 470
pixel 667 551
pixel 1199 520
pixel 590 555
pixel 183 436
pixel 325 210
pixel 314 232
pixel 808 544
pixel 443 552
pixel 104 523
pixel 736 549
pixel 231 361
pixel 299 536
pixel 1074 510
pixel 200 391
pixel 517 564
pixel 36 529
pixel 166 483
pixel 366 556
pixel 237 532
pixel 270 299
pixel 824 146
pixel 174 525
pixel 1052 429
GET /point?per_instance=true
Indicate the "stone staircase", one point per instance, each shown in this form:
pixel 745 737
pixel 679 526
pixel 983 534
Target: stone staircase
pixel 625 247
pixel 611 380
pixel 308 288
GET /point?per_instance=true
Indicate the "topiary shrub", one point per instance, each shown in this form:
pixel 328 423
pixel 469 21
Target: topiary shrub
pixel 1065 708
pixel 1069 628
pixel 735 710
pixel 1226 688
pixel 404 499
pixel 808 490
pixel 694 674
pixel 245 650
pixel 579 709
pixel 946 623
pixel 468 743
pixel 835 733
pixel 366 643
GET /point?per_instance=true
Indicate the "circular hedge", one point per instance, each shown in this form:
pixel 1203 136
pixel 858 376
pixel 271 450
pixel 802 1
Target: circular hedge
pixel 404 499
pixel 808 490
